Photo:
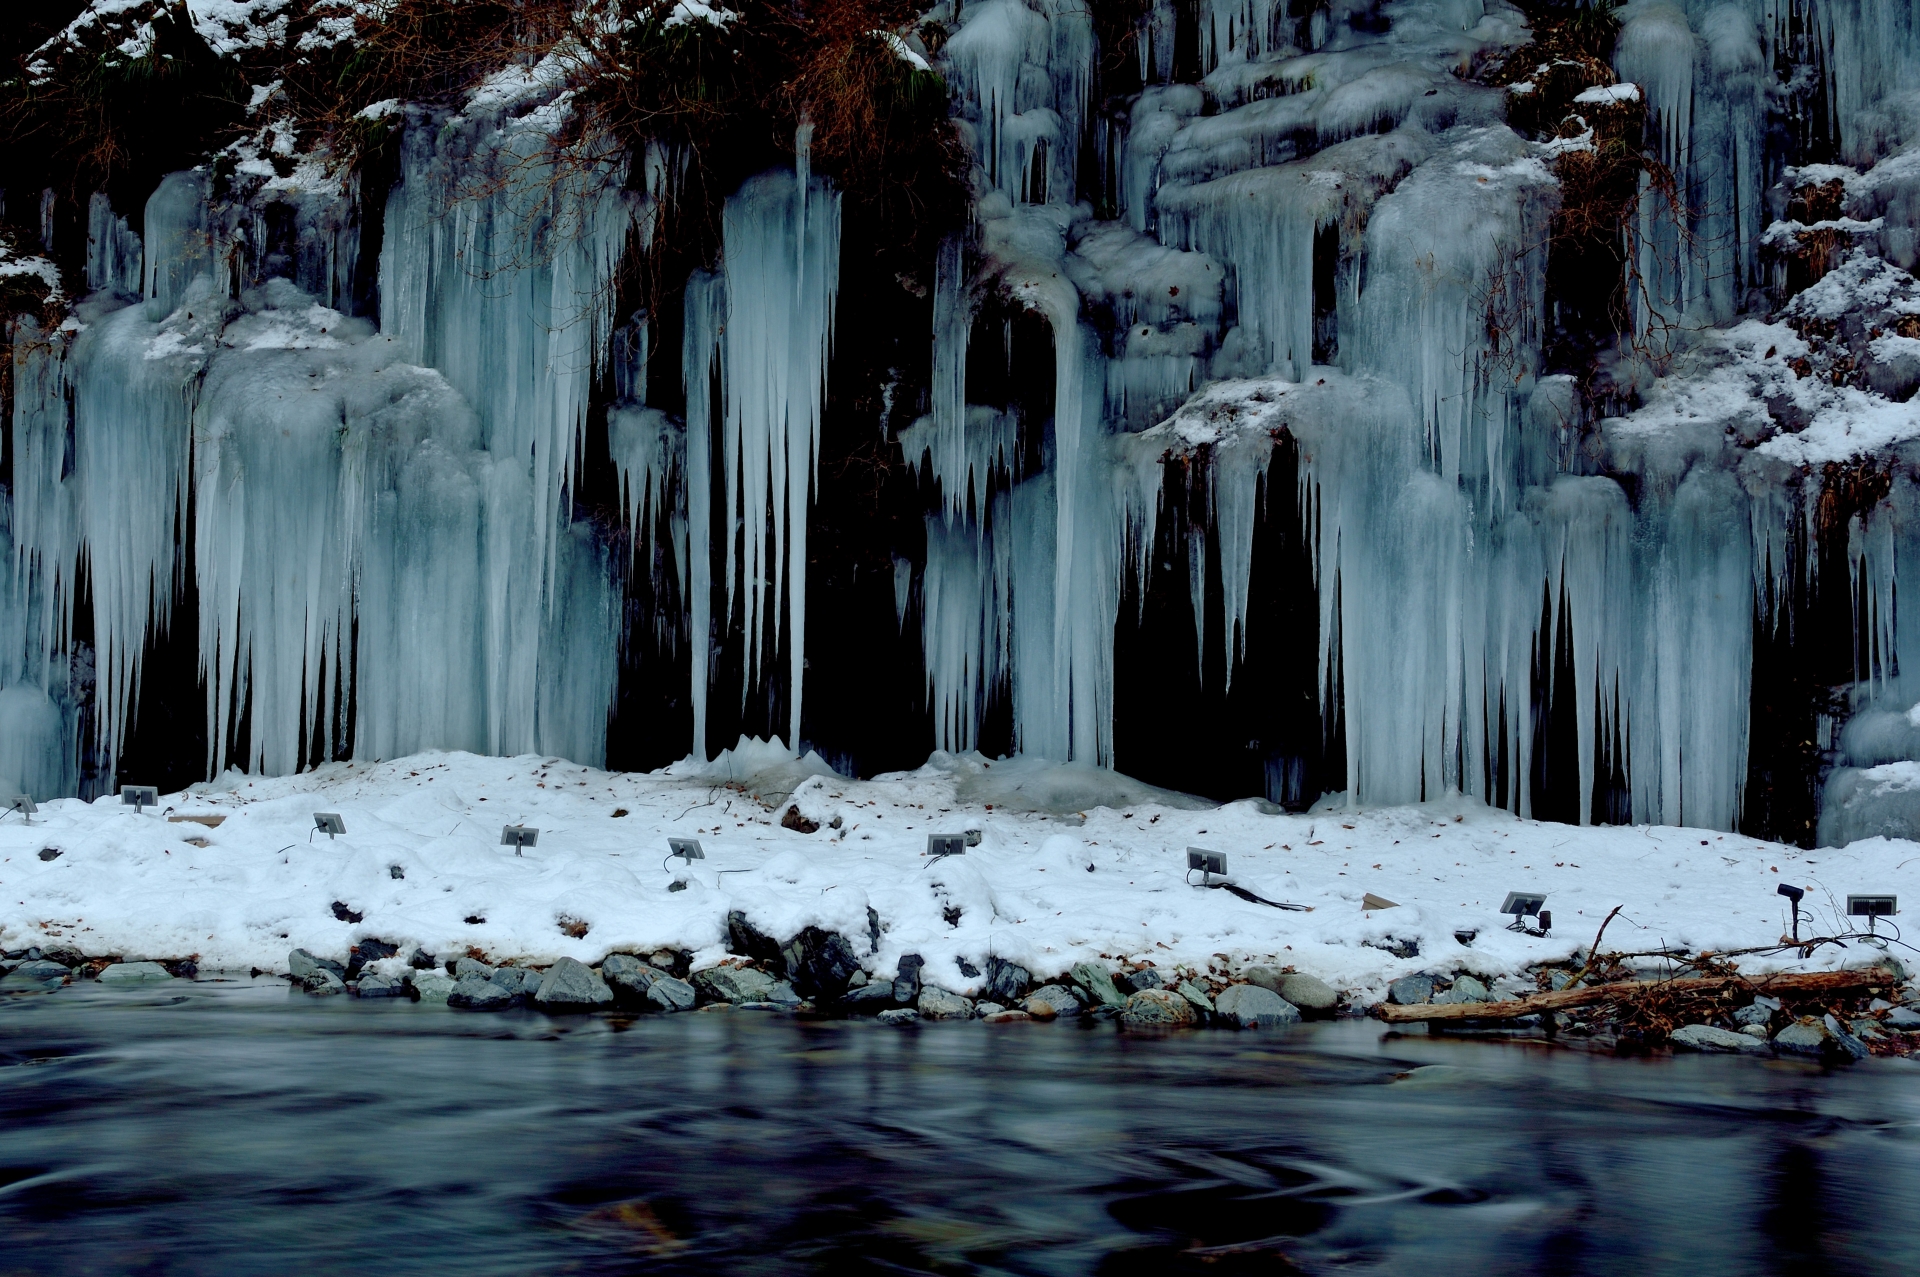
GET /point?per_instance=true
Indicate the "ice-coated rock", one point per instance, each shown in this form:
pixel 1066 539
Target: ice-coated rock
pixel 1706 1038
pixel 571 984
pixel 1158 1007
pixel 1248 1006
pixel 938 1004
pixel 1053 1001
pixel 134 973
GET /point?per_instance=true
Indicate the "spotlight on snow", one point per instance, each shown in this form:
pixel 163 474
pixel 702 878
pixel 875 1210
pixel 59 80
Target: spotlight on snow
pixel 943 845
pixel 139 796
pixel 687 849
pixel 1523 905
pixel 1208 863
pixel 1872 908
pixel 328 823
pixel 22 803
pixel 519 837
pixel 1794 894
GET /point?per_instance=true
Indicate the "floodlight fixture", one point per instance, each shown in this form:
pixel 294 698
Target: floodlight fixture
pixel 940 846
pixel 1207 862
pixel 139 796
pixel 22 803
pixel 1872 908
pixel 1794 894
pixel 519 837
pixel 328 823
pixel 1521 905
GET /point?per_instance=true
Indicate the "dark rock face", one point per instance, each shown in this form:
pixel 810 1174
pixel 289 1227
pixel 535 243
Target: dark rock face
pixel 819 963
pixel 748 941
pixel 1007 982
pixel 906 984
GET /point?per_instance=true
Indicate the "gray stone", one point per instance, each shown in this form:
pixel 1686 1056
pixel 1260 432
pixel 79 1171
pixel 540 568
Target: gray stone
pixel 632 984
pixel 1248 1006
pixel 1706 1038
pixel 570 984
pixel 1007 982
pixel 1158 1007
pixel 464 967
pixel 1758 1032
pixel 1308 992
pixel 1411 990
pixel 938 1004
pixel 478 993
pixel 783 995
pixel 1867 1030
pixel 899 1015
pixel 301 964
pixel 1845 1044
pixel 1753 1014
pixel 670 994
pixel 135 973
pixel 1879 1004
pixel 37 971
pixel 1146 978
pixel 432 986
pixel 1098 982
pixel 819 963
pixel 621 964
pixel 1468 989
pixel 1006 1017
pixel 378 986
pixel 869 998
pixel 906 984
pixel 985 1009
pixel 734 984
pixel 1904 1018
pixel 1053 1001
pixel 1806 1036
pixel 1195 995
pixel 1265 977
pixel 521 982
pixel 858 980
pixel 324 983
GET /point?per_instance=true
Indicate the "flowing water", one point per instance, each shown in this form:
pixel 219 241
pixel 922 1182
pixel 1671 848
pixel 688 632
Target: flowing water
pixel 233 1128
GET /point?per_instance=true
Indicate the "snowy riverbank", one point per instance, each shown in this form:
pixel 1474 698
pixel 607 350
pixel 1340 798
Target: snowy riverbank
pixel 1056 878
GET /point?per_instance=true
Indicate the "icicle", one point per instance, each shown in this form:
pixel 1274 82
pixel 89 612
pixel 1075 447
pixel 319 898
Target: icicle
pixel 701 357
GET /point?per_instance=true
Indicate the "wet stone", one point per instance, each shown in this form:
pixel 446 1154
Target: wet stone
pixel 1158 1007
pixel 1007 982
pixel 519 981
pixel 36 972
pixel 301 964
pixel 1053 1001
pixel 324 983
pixel 134 973
pixel 478 993
pixel 378 986
pixel 899 1015
pixel 1753 1014
pixel 869 998
pixel 906 982
pixel 1248 1006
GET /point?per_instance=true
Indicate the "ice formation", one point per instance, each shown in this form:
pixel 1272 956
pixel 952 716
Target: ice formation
pixel 1307 247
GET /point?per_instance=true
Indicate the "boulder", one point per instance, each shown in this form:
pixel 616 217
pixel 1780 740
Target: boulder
pixel 630 979
pixel 748 941
pixel 135 973
pixel 1098 982
pixel 1051 1001
pixel 733 984
pixel 572 985
pixel 938 1004
pixel 1312 994
pixel 1157 1007
pixel 38 971
pixel 1195 996
pixel 1820 1038
pixel 1706 1038
pixel 819 963
pixel 1411 990
pixel 324 983
pixel 478 993
pixel 1144 978
pixel 670 994
pixel 432 986
pixel 906 981
pixel 1468 988
pixel 378 986
pixel 464 967
pixel 1006 981
pixel 869 999
pixel 899 1015
pixel 1248 1006
pixel 301 964
pixel 521 982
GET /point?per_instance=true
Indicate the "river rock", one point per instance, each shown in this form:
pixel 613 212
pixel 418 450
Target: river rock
pixel 1758 1032
pixel 1248 1006
pixel 985 1009
pixel 1308 992
pixel 521 982
pixel 1905 1018
pixel 784 995
pixel 630 979
pixel 819 963
pixel 378 986
pixel 432 986
pixel 734 984
pixel 1753 1013
pixel 906 981
pixel 898 1015
pixel 135 973
pixel 1411 990
pixel 571 984
pixel 1157 1007
pixel 464 967
pixel 1706 1038
pixel 1007 982
pixel 1144 978
pixel 324 983
pixel 1006 1017
pixel 1845 1044
pixel 671 994
pixel 1805 1036
pixel 1098 982
pixel 869 998
pixel 1195 996
pixel 1468 988
pixel 938 1004
pixel 478 993
pixel 37 972
pixel 301 964
pixel 1053 1001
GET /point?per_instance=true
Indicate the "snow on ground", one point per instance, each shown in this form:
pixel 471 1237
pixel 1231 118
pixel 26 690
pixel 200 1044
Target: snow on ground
pixel 1047 886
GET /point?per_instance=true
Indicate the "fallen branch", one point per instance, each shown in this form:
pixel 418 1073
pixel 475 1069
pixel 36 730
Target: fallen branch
pixel 1810 982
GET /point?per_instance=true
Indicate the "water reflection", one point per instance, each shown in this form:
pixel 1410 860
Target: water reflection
pixel 230 1129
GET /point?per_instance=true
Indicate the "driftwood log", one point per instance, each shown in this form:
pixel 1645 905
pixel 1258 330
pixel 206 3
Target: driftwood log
pixel 1800 983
